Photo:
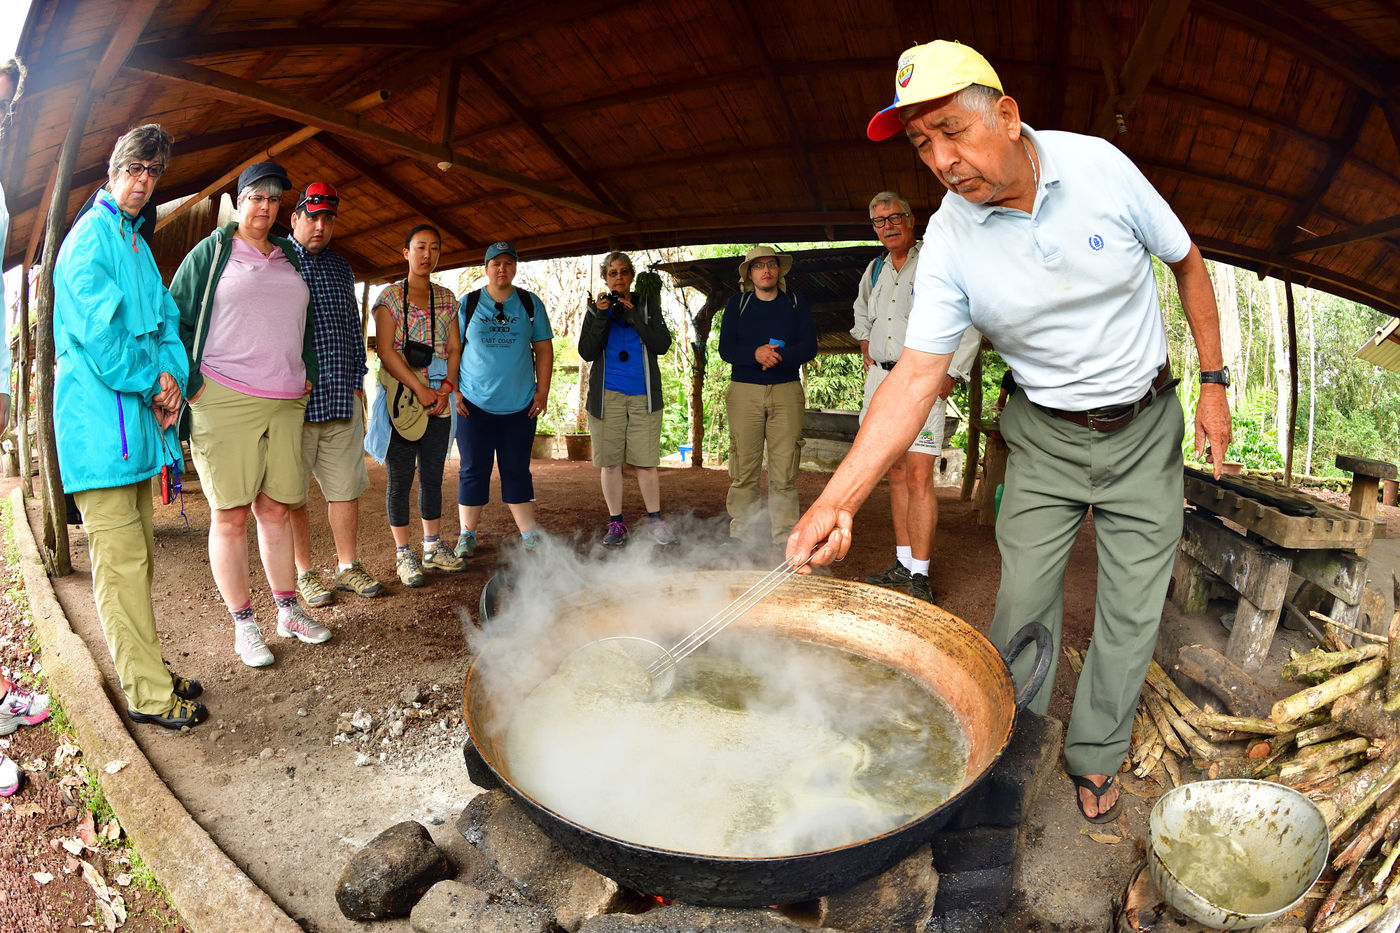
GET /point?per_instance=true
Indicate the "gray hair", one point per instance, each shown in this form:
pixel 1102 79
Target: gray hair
pixel 272 187
pixel 148 143
pixel 981 100
pixel 889 197
pixel 613 257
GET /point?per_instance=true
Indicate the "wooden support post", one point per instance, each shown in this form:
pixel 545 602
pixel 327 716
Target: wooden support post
pixel 974 432
pixel 1388 488
pixel 21 406
pixel 1292 378
pixel 993 475
pixel 1190 584
pixel 703 322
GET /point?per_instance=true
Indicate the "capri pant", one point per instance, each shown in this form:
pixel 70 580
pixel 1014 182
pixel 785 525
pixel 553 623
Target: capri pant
pixel 428 453
pixel 483 438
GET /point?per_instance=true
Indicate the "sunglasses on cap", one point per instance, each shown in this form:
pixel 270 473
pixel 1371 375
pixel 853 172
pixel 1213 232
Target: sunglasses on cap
pixel 331 199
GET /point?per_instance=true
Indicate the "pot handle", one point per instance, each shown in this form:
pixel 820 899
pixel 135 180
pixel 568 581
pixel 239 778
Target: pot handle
pixel 1044 647
pixel 491 595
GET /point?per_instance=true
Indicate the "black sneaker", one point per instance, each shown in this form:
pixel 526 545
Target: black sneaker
pixel 182 713
pixel 919 587
pixel 897 575
pixel 186 688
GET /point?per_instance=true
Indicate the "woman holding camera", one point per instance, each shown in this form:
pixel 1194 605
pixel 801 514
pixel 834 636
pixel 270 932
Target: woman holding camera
pixel 623 333
pixel 415 321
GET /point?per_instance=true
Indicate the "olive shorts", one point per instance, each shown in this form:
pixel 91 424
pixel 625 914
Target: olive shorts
pixel 627 432
pixel 244 445
pixel 335 452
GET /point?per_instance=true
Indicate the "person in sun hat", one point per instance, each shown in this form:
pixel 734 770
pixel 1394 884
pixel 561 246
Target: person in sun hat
pixel 881 315
pixel 247 324
pixel 1047 249
pixel 119 381
pixel 766 336
pixel 333 437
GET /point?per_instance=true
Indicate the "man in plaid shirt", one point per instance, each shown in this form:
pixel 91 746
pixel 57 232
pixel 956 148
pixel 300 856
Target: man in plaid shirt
pixel 334 434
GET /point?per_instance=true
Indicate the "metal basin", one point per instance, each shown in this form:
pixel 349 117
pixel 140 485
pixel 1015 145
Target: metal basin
pixel 1235 853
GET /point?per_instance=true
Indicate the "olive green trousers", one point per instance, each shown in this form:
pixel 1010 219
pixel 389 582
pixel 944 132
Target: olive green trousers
pixel 1132 480
pixel 121 547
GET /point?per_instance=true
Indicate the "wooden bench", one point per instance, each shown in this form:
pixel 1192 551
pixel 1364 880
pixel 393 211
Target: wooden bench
pixel 1365 482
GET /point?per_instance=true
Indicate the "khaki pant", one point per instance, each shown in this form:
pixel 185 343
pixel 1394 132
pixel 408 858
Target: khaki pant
pixel 1132 480
pixel 758 416
pixel 121 546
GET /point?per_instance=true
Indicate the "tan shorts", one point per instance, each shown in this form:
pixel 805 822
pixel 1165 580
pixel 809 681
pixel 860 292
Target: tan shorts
pixel 627 432
pixel 244 445
pixel 930 439
pixel 335 452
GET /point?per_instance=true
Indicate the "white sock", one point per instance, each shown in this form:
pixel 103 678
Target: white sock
pixel 918 566
pixel 904 554
pixel 343 567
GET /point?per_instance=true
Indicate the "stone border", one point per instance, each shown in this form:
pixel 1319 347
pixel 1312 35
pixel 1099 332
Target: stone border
pixel 203 884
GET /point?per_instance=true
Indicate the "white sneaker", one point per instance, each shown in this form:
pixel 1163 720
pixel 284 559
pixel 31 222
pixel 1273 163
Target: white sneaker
pixel 248 642
pixel 21 707
pixel 302 626
pixel 10 776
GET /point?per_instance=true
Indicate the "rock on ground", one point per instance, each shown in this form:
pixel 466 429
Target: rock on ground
pixel 389 875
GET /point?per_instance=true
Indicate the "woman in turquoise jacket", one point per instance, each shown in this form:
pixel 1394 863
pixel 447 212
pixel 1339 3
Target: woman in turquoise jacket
pixel 119 381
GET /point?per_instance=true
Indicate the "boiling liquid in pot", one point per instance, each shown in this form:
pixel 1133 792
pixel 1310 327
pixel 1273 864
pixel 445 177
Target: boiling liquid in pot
pixel 764 747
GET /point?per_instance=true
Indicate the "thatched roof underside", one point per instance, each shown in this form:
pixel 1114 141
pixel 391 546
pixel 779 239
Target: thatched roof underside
pixel 571 127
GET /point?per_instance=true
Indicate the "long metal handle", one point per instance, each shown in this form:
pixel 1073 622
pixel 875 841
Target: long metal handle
pixel 716 623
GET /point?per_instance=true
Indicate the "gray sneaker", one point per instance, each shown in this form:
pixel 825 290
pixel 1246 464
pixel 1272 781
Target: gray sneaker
pixel 438 556
pixel 311 590
pixel 356 579
pixel 466 544
pixel 896 575
pixel 410 573
pixel 299 625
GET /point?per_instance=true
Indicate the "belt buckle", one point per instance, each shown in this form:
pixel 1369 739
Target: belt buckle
pixel 1107 416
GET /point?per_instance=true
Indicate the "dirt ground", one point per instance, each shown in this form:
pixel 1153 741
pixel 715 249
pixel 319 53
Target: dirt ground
pixel 304 761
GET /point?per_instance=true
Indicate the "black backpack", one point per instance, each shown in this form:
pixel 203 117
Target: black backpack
pixel 474 298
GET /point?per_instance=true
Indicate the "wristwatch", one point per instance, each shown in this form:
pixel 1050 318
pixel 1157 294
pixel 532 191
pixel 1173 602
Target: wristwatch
pixel 1221 376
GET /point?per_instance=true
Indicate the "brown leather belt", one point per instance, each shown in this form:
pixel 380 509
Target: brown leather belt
pixel 1116 417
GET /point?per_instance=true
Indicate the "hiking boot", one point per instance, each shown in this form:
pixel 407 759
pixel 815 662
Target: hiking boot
pixel 919 587
pixel 21 707
pixel 410 573
pixel 181 713
pixel 616 535
pixel 186 688
pixel 248 642
pixel 10 776
pixel 311 590
pixel 896 575
pixel 299 624
pixel 661 533
pixel 438 556
pixel 355 579
pixel 466 545
pixel 531 540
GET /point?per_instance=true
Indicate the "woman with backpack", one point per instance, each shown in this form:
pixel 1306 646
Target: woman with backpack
pixel 415 324
pixel 503 381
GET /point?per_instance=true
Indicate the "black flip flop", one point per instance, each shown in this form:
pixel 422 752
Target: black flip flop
pixel 1098 790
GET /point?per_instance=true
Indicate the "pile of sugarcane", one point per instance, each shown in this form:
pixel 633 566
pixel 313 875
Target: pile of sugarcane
pixel 1337 741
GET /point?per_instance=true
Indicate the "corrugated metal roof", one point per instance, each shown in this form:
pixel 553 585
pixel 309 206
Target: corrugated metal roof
pixel 1384 348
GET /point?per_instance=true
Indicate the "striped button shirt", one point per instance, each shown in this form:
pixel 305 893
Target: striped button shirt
pixel 340 346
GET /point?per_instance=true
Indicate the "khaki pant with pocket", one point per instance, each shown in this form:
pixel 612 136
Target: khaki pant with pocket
pixel 121 546
pixel 764 416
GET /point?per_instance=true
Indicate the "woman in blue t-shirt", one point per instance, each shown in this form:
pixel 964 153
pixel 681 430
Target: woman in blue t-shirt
pixel 503 386
pixel 622 335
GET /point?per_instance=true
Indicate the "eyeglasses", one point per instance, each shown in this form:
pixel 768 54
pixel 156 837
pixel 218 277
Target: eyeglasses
pixel 137 169
pixel 500 313
pixel 258 200
pixel 895 220
pixel 331 199
pixel 761 264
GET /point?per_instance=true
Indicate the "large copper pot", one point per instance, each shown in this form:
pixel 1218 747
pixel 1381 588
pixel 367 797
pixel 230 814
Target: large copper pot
pixel 940 651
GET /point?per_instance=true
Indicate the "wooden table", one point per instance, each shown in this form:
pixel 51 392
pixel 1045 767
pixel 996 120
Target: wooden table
pixel 1257 558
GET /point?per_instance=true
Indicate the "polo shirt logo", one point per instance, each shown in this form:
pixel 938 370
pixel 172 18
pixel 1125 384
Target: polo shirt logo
pixel 1095 242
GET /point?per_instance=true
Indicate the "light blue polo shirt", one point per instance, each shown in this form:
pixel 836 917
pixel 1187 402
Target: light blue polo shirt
pixel 1066 293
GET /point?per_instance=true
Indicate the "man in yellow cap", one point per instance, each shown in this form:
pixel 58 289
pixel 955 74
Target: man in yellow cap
pixel 1047 250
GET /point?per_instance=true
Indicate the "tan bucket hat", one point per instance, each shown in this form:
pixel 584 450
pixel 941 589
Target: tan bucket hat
pixel 763 252
pixel 406 413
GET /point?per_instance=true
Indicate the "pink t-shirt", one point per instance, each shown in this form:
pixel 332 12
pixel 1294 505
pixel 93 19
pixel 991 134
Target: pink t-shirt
pixel 256 325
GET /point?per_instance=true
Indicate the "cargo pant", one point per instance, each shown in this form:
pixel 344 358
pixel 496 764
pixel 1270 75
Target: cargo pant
pixel 121 547
pixel 760 415
pixel 1132 479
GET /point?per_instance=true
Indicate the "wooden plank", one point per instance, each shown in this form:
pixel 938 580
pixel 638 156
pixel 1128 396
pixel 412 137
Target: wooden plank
pixel 1357 234
pixel 1331 527
pixel 1251 635
pixel 1256 571
pixel 1362 466
pixel 1337 572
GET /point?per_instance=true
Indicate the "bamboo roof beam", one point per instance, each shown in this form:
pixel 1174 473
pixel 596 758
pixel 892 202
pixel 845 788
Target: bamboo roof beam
pixel 342 122
pixel 1359 234
pixel 1159 28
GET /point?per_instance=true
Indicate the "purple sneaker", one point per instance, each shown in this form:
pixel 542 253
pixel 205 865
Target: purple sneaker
pixel 616 535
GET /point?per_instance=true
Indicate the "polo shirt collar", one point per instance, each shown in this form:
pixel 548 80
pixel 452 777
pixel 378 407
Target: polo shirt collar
pixel 1049 178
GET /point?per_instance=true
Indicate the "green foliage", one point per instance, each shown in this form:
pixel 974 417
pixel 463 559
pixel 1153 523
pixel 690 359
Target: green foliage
pixel 836 380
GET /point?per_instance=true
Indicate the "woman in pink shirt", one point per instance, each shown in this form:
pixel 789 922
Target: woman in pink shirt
pixel 245 320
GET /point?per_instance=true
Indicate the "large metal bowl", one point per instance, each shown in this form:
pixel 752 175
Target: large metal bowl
pixel 1254 846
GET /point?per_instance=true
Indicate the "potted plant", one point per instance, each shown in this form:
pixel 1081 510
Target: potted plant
pixel 578 441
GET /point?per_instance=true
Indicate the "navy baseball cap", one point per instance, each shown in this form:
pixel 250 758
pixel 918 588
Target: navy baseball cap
pixel 260 170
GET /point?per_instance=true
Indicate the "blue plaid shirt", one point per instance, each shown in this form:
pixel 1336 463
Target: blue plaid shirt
pixel 340 347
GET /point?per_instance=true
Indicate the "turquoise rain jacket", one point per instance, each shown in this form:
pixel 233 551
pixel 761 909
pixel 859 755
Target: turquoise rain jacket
pixel 115 331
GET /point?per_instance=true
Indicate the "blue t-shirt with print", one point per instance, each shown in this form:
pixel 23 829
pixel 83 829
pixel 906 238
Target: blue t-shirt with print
pixel 622 371
pixel 497 372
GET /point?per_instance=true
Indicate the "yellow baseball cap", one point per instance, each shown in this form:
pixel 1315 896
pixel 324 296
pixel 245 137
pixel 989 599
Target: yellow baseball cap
pixel 928 72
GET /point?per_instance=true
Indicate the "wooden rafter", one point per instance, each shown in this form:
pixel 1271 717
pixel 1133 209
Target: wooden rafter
pixel 1263 262
pixel 1359 234
pixel 445 114
pixel 1351 132
pixel 240 40
pixel 314 113
pixel 1160 26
